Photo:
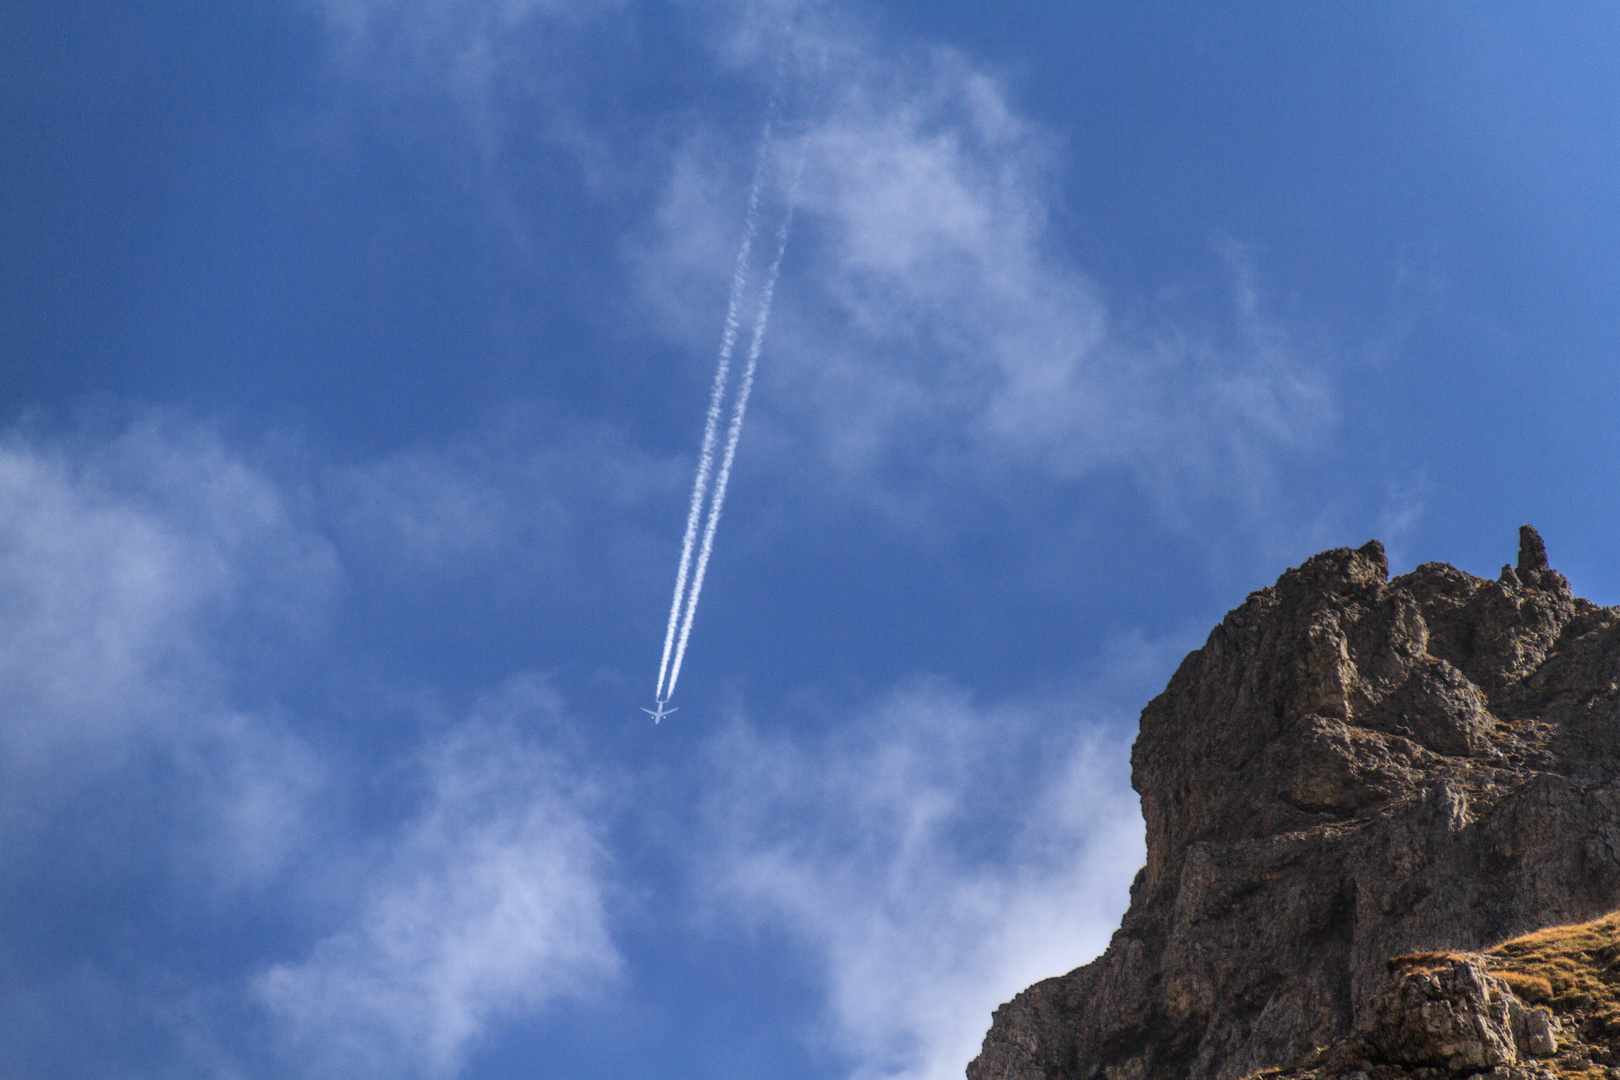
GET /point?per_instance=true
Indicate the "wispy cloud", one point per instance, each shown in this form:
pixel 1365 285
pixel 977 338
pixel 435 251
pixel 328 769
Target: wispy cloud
pixel 120 562
pixel 151 581
pixel 935 856
pixel 931 315
pixel 485 76
pixel 562 515
pixel 489 902
pixel 467 48
pixel 932 320
pixel 143 573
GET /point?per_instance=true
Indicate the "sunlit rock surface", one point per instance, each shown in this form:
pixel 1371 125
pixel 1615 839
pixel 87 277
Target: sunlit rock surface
pixel 1350 769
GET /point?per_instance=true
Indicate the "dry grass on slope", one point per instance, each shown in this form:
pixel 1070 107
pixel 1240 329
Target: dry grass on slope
pixel 1574 971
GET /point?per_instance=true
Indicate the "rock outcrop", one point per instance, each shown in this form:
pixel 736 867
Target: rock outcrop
pixel 1350 769
pixel 1545 1006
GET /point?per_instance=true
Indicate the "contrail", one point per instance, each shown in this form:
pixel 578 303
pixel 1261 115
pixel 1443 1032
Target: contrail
pixel 734 433
pixel 711 424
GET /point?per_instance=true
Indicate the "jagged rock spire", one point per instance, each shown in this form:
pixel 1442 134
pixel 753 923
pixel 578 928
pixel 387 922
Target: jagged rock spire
pixel 1532 552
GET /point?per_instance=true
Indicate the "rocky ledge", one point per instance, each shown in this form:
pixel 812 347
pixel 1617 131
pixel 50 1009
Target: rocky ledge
pixel 1539 1007
pixel 1351 769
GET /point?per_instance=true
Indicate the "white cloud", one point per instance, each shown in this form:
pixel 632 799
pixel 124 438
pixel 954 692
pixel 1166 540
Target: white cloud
pixel 490 902
pixel 144 574
pixel 929 314
pixel 120 561
pixel 148 579
pixel 936 858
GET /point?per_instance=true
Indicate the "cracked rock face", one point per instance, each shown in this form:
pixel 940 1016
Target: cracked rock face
pixel 1458 1017
pixel 1351 768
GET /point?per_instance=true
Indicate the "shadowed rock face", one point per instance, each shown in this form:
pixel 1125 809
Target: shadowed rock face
pixel 1351 768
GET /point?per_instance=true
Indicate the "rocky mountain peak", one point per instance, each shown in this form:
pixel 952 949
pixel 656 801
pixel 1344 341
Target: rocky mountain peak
pixel 1350 769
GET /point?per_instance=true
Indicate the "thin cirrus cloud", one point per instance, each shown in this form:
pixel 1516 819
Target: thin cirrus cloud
pixel 490 903
pixel 143 573
pixel 121 559
pixel 129 768
pixel 930 313
pixel 934 856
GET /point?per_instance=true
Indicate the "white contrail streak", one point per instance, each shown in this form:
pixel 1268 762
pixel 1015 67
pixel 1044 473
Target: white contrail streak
pixel 711 424
pixel 734 433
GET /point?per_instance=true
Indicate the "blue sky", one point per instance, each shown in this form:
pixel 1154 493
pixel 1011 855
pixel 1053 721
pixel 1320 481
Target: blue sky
pixel 353 363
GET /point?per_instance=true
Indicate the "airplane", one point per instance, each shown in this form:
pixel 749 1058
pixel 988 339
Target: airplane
pixel 661 713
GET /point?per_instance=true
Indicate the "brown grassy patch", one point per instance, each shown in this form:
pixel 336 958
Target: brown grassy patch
pixel 1575 1072
pixel 1424 961
pixel 1575 971
pixel 1532 988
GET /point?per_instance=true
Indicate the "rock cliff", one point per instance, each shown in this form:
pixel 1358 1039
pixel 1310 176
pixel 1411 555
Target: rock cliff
pixel 1350 769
